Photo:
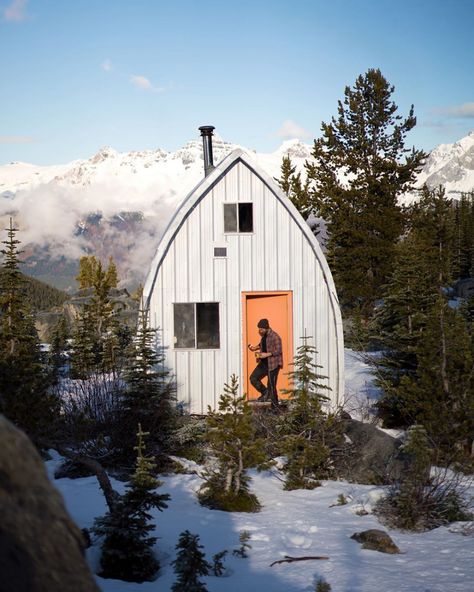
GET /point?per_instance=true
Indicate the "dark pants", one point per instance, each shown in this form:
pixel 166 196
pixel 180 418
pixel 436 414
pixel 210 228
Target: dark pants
pixel 271 389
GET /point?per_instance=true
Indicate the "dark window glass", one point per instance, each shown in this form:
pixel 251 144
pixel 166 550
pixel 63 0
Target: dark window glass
pixel 220 252
pixel 184 336
pixel 230 217
pixel 207 325
pixel 245 217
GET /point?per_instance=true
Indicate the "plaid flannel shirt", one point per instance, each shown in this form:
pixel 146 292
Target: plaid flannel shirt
pixel 274 347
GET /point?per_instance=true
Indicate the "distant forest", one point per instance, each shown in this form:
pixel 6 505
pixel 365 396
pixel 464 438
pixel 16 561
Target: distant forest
pixel 41 296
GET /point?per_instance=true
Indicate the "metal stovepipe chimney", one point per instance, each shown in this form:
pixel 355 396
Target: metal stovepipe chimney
pixel 206 133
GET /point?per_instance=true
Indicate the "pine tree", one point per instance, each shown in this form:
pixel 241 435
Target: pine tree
pixel 24 379
pixel 297 190
pixel 127 545
pixel 96 346
pixel 111 275
pixel 90 270
pixel 149 395
pixel 189 564
pixel 307 427
pixel 423 266
pixel 360 169
pixel 432 221
pixel 399 325
pixel 87 269
pixel 463 265
pixel 230 433
pixel 441 394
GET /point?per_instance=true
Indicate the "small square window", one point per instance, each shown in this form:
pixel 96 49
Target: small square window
pixel 238 217
pixel 220 251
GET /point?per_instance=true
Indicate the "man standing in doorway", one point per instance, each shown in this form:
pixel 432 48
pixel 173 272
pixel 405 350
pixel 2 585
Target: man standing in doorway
pixel 270 360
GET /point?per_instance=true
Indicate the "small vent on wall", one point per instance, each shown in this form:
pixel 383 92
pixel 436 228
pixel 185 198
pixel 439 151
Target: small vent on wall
pixel 220 251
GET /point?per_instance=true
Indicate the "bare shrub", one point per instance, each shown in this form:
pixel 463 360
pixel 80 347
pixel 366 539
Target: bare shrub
pixel 90 412
pixel 425 497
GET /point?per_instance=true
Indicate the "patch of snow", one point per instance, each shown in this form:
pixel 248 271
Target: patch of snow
pixel 296 523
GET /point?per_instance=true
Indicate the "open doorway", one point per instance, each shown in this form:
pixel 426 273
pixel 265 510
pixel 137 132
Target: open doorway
pixel 277 307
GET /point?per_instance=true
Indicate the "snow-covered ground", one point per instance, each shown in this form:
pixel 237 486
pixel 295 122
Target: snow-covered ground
pixel 296 523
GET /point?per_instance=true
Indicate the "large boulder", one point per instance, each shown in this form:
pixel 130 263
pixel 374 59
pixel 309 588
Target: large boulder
pixel 369 455
pixel 41 548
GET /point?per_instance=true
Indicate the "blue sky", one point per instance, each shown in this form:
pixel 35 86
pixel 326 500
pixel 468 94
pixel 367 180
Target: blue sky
pixel 142 74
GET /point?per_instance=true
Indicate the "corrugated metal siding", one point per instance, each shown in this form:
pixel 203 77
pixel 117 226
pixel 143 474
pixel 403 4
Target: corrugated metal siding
pixel 276 256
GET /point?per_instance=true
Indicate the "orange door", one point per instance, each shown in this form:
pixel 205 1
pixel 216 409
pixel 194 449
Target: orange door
pixel 277 307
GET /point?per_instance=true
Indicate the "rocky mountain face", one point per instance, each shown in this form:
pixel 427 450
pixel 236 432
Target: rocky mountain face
pixel 120 203
pixel 452 166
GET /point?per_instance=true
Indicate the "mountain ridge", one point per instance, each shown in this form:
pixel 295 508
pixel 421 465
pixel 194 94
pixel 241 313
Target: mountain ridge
pixel 119 203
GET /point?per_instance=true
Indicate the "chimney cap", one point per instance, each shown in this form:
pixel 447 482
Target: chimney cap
pixel 207 130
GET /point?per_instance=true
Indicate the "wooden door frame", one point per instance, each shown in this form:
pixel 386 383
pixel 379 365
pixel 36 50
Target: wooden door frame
pixel 244 296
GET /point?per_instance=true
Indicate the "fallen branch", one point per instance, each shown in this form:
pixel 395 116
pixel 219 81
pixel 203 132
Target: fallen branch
pixel 289 559
pixel 111 496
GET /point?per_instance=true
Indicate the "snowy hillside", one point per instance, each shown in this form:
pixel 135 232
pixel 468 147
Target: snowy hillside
pixel 294 523
pixel 451 165
pixel 120 203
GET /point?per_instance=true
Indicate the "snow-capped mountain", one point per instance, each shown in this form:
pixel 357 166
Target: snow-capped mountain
pixel 451 165
pixel 120 203
pixel 111 204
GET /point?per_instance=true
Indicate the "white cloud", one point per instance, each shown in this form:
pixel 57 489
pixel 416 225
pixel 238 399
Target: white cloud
pixel 290 129
pixel 16 139
pixel 144 83
pixel 464 111
pixel 16 11
pixel 106 65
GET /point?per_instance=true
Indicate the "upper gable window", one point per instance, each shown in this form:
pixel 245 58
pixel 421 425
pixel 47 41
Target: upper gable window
pixel 238 217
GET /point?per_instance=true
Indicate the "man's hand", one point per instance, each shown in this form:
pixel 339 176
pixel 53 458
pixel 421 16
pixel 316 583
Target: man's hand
pixel 253 347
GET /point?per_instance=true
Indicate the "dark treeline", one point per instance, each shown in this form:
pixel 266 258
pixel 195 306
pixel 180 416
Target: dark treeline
pixel 39 295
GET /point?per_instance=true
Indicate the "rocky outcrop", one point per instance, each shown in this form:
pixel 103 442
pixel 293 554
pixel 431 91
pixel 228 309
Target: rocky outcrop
pixel 369 455
pixel 376 540
pixel 41 548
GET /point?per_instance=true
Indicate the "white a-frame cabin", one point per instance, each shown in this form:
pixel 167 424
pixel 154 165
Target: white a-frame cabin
pixel 236 251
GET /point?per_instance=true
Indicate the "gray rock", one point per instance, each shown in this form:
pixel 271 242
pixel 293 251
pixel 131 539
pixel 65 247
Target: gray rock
pixel 376 540
pixel 369 455
pixel 41 548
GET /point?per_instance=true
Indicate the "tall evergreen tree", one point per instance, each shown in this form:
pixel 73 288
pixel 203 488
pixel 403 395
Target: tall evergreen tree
pixel 360 169
pixel 189 564
pixel 432 221
pixel 400 322
pixel 423 267
pixel 149 395
pixel 230 433
pixel 294 187
pixel 24 379
pixel 464 237
pixel 96 344
pixel 441 394
pixel 307 427
pixel 127 545
pixel 90 268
